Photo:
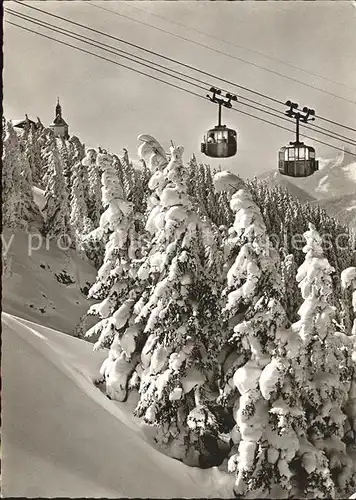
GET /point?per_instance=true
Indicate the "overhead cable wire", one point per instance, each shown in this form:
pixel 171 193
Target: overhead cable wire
pixel 175 61
pixel 105 59
pixel 83 38
pixel 218 51
pixel 325 131
pixel 335 123
pixel 230 42
pixel 115 50
pixel 167 83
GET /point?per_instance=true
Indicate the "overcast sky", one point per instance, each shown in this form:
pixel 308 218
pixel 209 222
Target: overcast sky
pixel 109 106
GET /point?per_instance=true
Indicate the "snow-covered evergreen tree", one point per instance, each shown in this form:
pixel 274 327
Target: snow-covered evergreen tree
pixel 178 360
pixel 128 175
pixel 348 280
pixel 44 137
pixel 27 208
pixel 292 384
pixel 115 284
pixel 31 147
pixel 80 222
pixel 10 160
pixel 291 300
pixel 78 151
pixel 254 365
pixel 19 207
pixel 322 373
pixel 117 281
pixel 118 167
pixel 36 157
pixel 93 243
pixel 65 149
pixel 57 223
pixel 94 183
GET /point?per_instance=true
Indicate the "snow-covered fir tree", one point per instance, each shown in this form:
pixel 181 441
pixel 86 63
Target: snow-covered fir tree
pixel 254 366
pixel 94 186
pixel 322 374
pixel 65 149
pixel 288 438
pixel 32 148
pixel 115 284
pixel 93 244
pixel 212 202
pixel 56 210
pixel 141 191
pixel 25 143
pixel 78 152
pixel 291 300
pixel 348 280
pixel 71 152
pixel 127 174
pixel 285 218
pixel 120 286
pixel 10 167
pixel 44 139
pixel 79 219
pixel 134 180
pixel 19 207
pixel 27 208
pixel 178 362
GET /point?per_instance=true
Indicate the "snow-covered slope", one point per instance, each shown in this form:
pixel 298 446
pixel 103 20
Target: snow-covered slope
pixel 46 285
pixel 63 438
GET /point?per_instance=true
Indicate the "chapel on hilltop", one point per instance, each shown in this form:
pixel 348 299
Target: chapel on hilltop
pixel 59 125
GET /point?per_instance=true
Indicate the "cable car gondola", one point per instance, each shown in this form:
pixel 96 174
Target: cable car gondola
pixel 220 141
pixel 298 159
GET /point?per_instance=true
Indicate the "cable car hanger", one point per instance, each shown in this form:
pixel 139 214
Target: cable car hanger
pixel 221 141
pixel 220 101
pixel 309 115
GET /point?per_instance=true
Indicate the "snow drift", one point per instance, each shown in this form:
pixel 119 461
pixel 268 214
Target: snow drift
pixel 63 438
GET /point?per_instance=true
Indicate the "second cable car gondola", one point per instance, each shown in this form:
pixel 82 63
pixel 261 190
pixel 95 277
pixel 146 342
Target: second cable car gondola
pixel 220 141
pixel 297 159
